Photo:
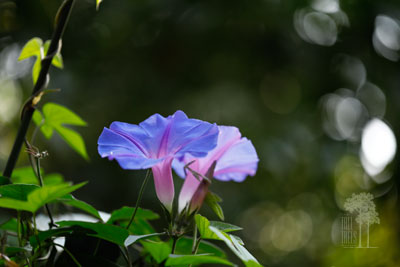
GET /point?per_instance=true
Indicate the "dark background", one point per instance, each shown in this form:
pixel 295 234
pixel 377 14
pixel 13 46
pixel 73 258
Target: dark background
pixel 294 76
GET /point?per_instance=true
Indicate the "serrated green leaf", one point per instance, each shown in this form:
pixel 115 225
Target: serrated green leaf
pixel 236 247
pixel 134 238
pixel 55 117
pixel 175 260
pixel 212 201
pixel 158 250
pixel 125 214
pixel 112 233
pixel 225 227
pixel 31 48
pixel 79 204
pixel 17 191
pixel 57 59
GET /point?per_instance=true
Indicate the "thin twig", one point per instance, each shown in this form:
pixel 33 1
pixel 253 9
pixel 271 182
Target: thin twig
pixel 139 198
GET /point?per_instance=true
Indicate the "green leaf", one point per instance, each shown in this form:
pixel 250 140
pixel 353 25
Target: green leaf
pixel 73 139
pixel 4 180
pixel 25 175
pixel 10 225
pixel 134 238
pixel 125 214
pixel 36 69
pixel 36 198
pixel 212 201
pixel 203 225
pixel 174 260
pixel 225 227
pixel 112 233
pixel 17 191
pixel 31 48
pixel 55 117
pixel 53 179
pixel 35 240
pixel 79 204
pixel 50 193
pixel 184 246
pixel 158 250
pixel 98 4
pixel 57 59
pixel 236 247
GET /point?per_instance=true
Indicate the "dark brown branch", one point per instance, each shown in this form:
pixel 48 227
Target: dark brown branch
pixel 41 84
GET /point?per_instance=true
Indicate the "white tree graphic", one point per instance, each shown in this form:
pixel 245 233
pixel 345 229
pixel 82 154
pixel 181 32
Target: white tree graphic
pixel 363 205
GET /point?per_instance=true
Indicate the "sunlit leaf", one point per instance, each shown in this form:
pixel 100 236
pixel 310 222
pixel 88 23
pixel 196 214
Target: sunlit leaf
pixel 73 139
pixel 112 233
pixel 72 201
pixel 98 4
pixel 236 247
pixel 158 250
pixel 31 48
pixel 50 193
pixel 26 175
pixel 17 191
pixel 174 260
pixel 212 201
pixel 57 59
pixel 55 117
pixel 225 227
pixel 37 197
pixel 36 70
pixel 134 238
pixel 203 225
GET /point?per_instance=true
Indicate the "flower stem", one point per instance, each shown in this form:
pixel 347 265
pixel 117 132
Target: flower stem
pixel 41 83
pixel 139 198
pixel 174 240
pixel 51 223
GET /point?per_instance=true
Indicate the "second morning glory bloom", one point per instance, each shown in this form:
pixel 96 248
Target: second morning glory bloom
pixel 235 158
pixel 155 143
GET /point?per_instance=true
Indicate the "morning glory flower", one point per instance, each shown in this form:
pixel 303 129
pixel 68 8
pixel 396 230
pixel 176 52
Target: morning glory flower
pixel 155 143
pixel 235 158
